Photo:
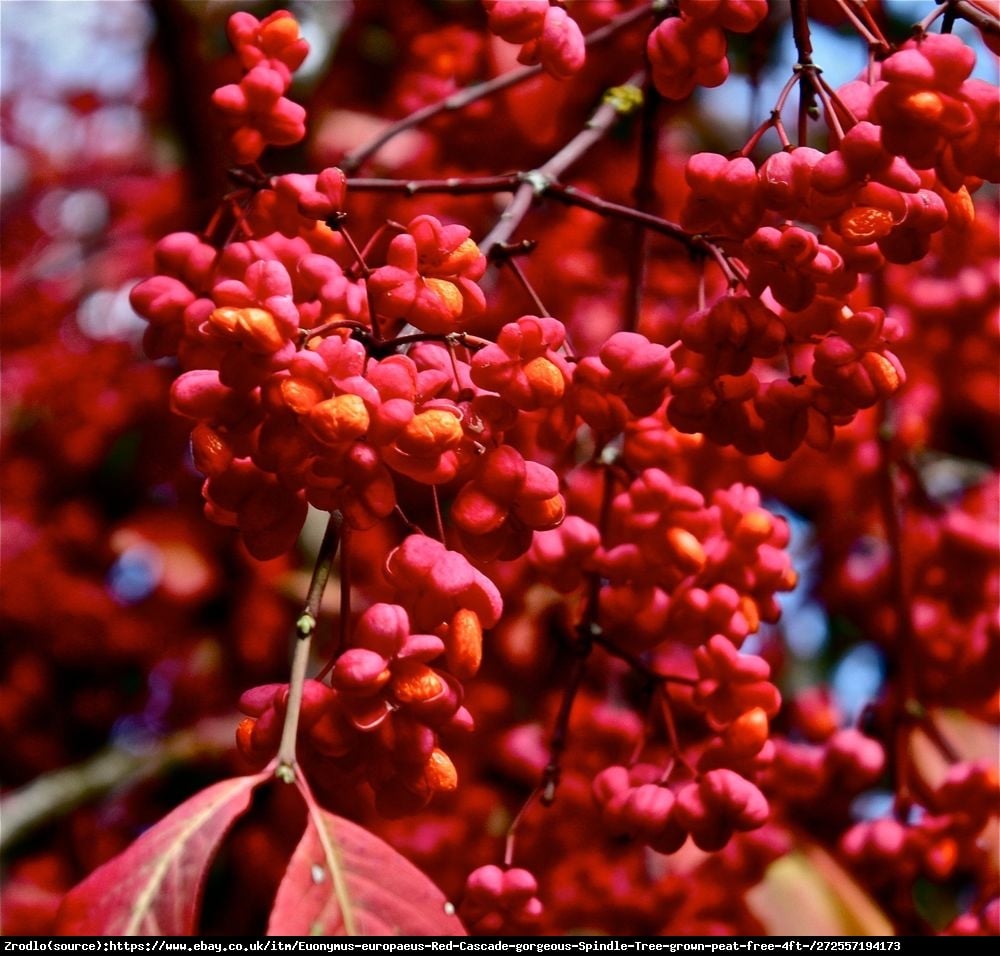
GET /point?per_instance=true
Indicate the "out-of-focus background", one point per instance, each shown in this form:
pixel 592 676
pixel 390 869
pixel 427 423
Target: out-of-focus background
pixel 128 624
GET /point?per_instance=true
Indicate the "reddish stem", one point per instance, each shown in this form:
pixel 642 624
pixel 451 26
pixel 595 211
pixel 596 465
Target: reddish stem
pixel 671 728
pixel 577 197
pixel 515 267
pixel 306 334
pixel 936 737
pixel 801 34
pixel 823 91
pixel 338 223
pixel 803 45
pixel 454 185
pixel 772 122
pixel 437 514
pixel 640 666
pixel 644 193
pixel 560 732
pixel 836 107
pixel 924 25
pixel 535 183
pixel 345 593
pixel 869 32
pixel 906 711
pixel 985 20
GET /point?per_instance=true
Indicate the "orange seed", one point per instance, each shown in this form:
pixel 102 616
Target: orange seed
pixel 440 772
pixel 448 293
pixel 864 224
pixel 338 419
pixel 748 733
pixel 413 682
pixel 883 373
pixel 686 550
pixel 299 394
pixel 546 380
pixel 430 432
pixel 465 644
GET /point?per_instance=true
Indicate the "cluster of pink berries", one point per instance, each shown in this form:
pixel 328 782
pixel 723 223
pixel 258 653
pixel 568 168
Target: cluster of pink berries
pixel 689 49
pixel 547 33
pixel 317 374
pixel 260 114
pixel 396 690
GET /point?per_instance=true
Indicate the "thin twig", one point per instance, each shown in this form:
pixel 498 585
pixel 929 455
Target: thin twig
pixel 671 728
pixel 337 222
pixel 508 847
pixel 577 197
pixel 53 795
pixel 438 520
pixel 345 592
pixel 536 182
pixel 836 107
pixel 454 185
pixel 644 193
pixel 545 790
pixel 873 38
pixel 821 88
pixel 639 665
pixel 304 628
pixel 697 244
pixel 560 731
pixel 906 709
pixel 772 122
pixel 804 50
pixel 515 267
pixel 480 91
pixel 987 22
pixel 455 101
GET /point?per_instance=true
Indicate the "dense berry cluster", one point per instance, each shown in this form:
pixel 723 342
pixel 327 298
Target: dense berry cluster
pixel 385 705
pixel 260 114
pixel 497 899
pixel 564 478
pixel 805 224
pixel 547 33
pixel 308 389
pixel 322 375
pixel 689 49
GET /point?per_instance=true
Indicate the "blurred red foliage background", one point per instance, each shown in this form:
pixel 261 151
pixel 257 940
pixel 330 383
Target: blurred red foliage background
pixel 131 625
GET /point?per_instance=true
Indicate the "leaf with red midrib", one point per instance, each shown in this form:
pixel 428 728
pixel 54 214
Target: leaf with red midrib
pixel 154 887
pixel 344 881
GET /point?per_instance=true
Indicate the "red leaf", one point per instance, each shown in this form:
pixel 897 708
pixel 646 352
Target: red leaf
pixel 344 881
pixel 154 887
